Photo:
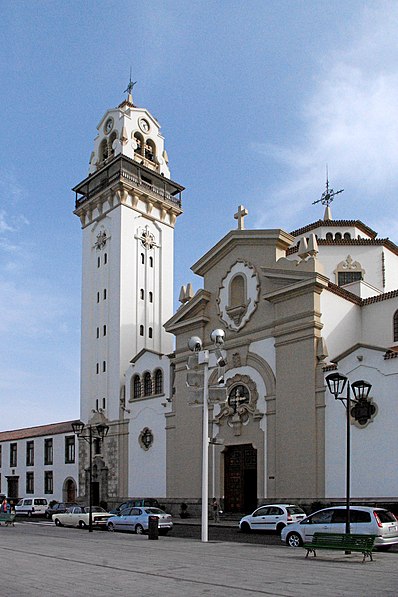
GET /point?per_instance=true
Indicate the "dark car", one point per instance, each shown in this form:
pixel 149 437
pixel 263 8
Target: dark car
pixel 59 508
pixel 136 502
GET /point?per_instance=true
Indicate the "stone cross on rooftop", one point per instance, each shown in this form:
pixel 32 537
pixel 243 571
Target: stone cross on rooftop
pixel 240 216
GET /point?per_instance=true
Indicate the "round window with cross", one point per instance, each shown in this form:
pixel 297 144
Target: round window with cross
pixel 238 395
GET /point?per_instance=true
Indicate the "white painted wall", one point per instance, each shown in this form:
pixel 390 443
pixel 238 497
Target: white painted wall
pixel 374 458
pixel 342 323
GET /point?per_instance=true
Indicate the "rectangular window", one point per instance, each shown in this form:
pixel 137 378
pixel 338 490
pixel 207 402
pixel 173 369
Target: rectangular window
pixel 13 455
pixel 0 456
pixel 69 449
pixel 48 482
pixel 30 483
pixel 348 277
pixel 48 450
pixel 30 453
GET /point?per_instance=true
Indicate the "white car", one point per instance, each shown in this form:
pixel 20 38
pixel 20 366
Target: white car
pixel 272 517
pixel 32 506
pixel 137 520
pixel 363 520
pixel 78 516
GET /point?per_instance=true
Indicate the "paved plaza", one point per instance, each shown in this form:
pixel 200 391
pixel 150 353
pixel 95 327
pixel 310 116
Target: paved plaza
pixel 40 560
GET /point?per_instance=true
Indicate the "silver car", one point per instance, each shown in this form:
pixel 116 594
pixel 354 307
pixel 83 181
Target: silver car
pixel 364 520
pixel 273 517
pixel 137 520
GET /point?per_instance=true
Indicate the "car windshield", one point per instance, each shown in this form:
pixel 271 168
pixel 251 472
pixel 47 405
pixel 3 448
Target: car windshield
pixel 41 502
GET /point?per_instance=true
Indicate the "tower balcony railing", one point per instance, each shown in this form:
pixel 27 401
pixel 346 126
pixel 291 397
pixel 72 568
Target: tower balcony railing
pixel 140 176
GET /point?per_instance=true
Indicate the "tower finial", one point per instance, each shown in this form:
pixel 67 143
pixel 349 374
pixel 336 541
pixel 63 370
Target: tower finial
pixel 129 89
pixel 327 197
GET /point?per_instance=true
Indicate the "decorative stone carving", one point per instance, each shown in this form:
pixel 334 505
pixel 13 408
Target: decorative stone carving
pixel 145 438
pixel 238 295
pixel 241 404
pixel 102 239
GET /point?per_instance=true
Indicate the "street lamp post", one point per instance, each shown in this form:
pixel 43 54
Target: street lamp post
pixel 336 384
pixel 89 433
pixel 195 345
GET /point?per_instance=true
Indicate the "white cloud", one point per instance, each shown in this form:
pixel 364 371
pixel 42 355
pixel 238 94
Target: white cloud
pixel 351 124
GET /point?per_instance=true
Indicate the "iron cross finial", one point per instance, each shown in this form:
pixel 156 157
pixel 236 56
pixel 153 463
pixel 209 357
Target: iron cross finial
pixel 130 86
pixel 329 194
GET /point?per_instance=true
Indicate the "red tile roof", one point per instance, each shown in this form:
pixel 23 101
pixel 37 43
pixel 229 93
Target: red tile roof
pixel 52 429
pixel 385 242
pixel 335 224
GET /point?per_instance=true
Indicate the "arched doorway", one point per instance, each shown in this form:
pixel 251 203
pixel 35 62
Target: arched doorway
pixel 240 478
pixel 69 490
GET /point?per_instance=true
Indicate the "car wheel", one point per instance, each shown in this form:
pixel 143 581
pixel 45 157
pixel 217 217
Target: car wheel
pixel 111 527
pixel 279 528
pixel 58 523
pixel 139 529
pixel 245 527
pixel 82 524
pixel 294 540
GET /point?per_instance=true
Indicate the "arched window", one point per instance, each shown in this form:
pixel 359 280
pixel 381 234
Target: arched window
pixel 147 384
pixel 150 332
pixel 237 290
pixel 347 236
pixel 329 236
pixel 112 138
pixel 337 236
pixel 140 143
pixel 395 326
pixel 103 150
pixel 158 381
pixel 150 150
pixel 141 330
pixel 136 386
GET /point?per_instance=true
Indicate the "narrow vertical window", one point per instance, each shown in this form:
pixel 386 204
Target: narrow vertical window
pixel 104 294
pixel 151 297
pixel 142 258
pixel 69 449
pixel 98 297
pixel 48 450
pixel 97 332
pixel 151 262
pixel 104 330
pixel 141 330
pixel 30 453
pixel 48 482
pixel 142 294
pixel 136 386
pixel 103 403
pixel 158 381
pixel 147 384
pixel 97 368
pixel 105 258
pixel 98 261
pixel 96 404
pixel 30 483
pixel 104 366
pixel 13 455
pixel 150 332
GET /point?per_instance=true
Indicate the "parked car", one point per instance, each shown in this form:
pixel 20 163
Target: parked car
pixel 32 506
pixel 137 520
pixel 136 502
pixel 272 517
pixel 59 508
pixel 78 516
pixel 364 520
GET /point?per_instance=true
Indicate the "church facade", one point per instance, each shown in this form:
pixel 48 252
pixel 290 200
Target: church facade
pixel 294 307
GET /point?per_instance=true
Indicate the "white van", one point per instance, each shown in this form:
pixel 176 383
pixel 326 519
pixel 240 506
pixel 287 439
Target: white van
pixel 32 506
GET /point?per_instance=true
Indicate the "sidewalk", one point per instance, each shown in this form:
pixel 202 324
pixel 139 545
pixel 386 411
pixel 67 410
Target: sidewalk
pixel 60 562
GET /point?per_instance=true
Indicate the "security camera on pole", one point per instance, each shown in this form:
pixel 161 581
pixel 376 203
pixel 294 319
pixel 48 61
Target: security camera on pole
pixel 198 381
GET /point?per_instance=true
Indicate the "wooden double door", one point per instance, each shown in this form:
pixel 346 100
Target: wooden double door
pixel 240 478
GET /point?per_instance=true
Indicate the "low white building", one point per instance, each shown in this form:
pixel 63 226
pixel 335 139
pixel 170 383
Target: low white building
pixel 39 461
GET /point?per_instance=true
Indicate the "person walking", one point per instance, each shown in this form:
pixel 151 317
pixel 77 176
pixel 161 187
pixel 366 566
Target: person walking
pixel 216 514
pixel 5 507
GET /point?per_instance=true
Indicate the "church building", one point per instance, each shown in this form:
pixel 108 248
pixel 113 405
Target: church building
pixel 295 307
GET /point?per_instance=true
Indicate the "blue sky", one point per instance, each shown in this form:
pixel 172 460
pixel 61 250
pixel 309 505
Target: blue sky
pixel 254 98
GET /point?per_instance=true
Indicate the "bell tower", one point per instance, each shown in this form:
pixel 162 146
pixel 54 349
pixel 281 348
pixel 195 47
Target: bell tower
pixel 127 207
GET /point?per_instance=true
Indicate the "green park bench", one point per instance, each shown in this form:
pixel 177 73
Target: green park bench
pixel 8 518
pixel 342 542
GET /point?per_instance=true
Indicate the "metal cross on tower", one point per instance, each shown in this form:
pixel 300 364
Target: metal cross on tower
pixel 328 195
pixel 130 86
